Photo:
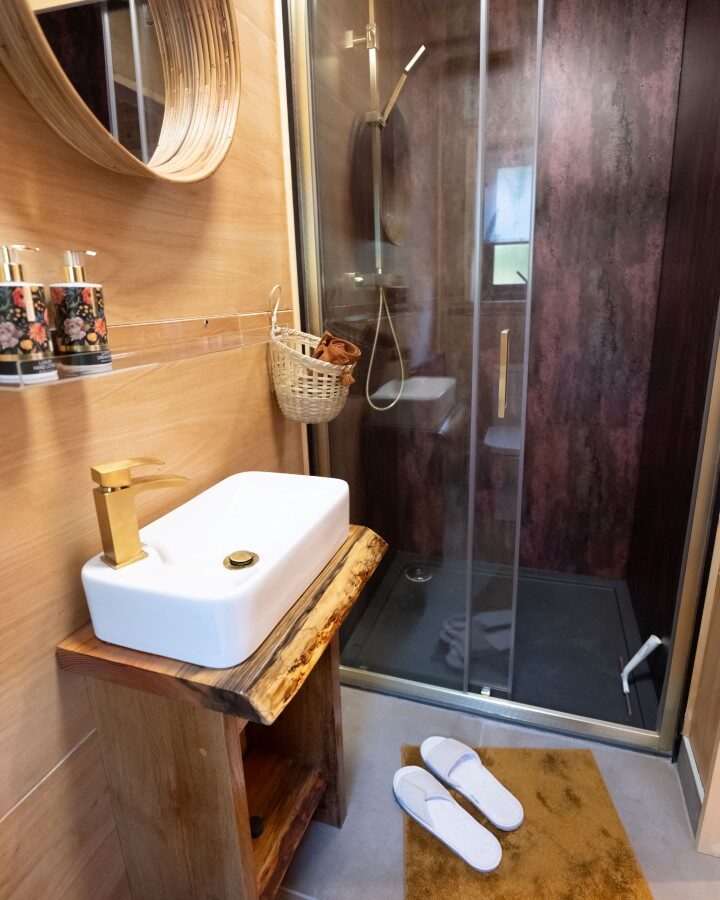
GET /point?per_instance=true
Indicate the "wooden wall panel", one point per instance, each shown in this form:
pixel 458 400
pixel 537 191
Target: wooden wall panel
pixel 260 14
pixel 67 827
pixel 207 417
pixel 704 731
pixel 702 717
pixel 166 253
pixel 706 668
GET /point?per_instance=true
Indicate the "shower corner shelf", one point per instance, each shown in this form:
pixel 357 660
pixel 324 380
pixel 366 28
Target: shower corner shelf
pixel 371 280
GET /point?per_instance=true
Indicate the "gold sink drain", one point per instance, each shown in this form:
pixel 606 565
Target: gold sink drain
pixel 240 559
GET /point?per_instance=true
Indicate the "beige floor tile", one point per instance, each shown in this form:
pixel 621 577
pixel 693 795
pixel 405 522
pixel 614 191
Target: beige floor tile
pixel 364 859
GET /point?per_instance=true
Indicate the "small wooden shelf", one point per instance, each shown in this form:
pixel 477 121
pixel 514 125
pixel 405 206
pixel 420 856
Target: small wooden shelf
pixel 191 753
pixel 286 795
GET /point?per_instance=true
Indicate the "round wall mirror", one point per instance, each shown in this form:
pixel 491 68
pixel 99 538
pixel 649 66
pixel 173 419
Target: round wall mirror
pixel 143 87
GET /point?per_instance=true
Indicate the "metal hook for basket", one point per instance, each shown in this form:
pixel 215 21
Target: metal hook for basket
pixel 276 295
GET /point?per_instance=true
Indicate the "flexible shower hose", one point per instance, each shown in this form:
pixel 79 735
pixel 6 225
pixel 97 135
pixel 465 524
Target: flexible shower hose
pixel 383 305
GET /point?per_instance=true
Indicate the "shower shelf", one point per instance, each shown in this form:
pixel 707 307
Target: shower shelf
pixel 362 280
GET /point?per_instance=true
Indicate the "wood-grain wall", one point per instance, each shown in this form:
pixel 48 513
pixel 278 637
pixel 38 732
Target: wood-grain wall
pixel 166 253
pixel 702 717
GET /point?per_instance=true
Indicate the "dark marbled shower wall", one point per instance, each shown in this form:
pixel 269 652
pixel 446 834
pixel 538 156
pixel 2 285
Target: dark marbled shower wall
pixel 609 85
pixel 610 76
pixel 608 103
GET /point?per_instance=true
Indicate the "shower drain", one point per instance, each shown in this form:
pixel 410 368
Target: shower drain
pixel 418 575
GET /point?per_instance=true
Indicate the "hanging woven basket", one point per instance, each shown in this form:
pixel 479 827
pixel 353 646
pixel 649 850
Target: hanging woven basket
pixel 308 390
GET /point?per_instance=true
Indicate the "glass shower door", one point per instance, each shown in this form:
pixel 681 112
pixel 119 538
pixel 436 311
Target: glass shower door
pixel 423 125
pixel 502 265
pixel 417 144
pixel 396 188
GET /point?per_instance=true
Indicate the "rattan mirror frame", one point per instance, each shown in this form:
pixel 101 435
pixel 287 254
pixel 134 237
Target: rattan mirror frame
pixel 201 63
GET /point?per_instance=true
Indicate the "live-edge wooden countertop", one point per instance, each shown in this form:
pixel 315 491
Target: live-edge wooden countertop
pixel 261 687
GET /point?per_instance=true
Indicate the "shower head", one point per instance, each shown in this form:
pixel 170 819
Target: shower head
pixel 401 82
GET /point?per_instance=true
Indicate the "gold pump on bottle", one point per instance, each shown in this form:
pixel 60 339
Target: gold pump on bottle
pixel 26 350
pixel 80 323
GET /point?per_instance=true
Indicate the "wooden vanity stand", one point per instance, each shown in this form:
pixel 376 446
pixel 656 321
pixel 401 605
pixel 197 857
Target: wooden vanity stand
pixel 191 753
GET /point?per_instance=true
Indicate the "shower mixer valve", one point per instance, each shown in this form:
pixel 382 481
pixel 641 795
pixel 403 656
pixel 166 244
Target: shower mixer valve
pixel 368 40
pixel 375 117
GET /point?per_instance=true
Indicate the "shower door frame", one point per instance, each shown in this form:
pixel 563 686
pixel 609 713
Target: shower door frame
pixel 700 521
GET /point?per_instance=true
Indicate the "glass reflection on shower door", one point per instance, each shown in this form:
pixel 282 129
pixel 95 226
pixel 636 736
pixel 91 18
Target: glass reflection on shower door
pixel 407 462
pixel 431 448
pixel 507 162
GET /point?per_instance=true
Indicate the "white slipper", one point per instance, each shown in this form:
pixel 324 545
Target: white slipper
pixel 424 799
pixel 455 657
pixel 461 768
pixel 489 630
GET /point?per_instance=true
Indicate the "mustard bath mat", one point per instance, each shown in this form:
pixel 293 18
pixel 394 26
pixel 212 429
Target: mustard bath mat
pixel 572 844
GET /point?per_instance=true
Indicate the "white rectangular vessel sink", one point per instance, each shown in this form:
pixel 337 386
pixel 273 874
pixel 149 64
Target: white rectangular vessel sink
pixel 183 602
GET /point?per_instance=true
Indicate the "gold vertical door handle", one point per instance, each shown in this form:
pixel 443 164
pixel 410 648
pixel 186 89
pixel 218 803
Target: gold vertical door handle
pixel 502 379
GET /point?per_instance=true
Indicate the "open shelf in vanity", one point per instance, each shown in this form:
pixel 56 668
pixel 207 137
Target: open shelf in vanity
pixel 285 795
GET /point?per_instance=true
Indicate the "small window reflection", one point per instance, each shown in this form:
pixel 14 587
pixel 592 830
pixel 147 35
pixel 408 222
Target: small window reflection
pixel 511 263
pixel 508 206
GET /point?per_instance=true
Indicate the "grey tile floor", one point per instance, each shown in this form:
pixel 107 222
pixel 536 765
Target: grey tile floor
pixel 364 859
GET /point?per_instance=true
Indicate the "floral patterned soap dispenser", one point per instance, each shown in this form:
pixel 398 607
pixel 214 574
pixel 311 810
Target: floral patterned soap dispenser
pixel 26 352
pixel 80 324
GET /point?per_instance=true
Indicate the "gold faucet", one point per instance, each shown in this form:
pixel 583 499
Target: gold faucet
pixel 115 506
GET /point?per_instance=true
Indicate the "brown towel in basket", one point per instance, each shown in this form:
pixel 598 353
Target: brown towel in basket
pixel 338 352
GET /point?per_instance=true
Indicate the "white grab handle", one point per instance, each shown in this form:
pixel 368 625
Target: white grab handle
pixel 652 643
